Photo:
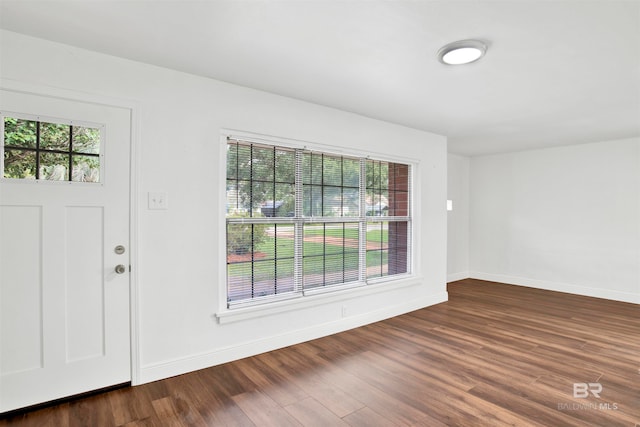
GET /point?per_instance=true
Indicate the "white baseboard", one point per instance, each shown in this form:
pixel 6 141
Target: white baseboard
pixel 457 276
pixel 158 371
pixel 559 287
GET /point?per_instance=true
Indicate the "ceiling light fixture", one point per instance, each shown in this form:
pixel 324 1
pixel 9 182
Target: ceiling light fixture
pixel 462 52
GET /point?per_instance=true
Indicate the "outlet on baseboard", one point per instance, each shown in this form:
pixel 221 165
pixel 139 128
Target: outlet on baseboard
pixel 344 311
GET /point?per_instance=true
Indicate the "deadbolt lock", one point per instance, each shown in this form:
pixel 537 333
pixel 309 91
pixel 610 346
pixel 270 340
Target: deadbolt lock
pixel 119 249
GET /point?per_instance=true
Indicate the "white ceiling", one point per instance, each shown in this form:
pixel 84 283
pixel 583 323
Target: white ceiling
pixel 556 72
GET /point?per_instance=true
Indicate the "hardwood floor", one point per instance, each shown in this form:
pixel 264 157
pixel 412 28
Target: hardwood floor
pixel 492 355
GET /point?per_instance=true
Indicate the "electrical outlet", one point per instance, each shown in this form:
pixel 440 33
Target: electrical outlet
pixel 344 311
pixel 158 201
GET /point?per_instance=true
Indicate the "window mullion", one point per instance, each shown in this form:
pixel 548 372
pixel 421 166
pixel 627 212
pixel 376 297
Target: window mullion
pixel 37 150
pixel 298 237
pixel 362 223
pixel 71 153
pixel 321 185
pixel 251 181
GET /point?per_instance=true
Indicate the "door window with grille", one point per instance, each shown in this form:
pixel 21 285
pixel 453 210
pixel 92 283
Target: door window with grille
pixel 48 150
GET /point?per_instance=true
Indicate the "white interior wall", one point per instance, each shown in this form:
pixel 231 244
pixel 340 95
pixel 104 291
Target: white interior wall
pixel 458 218
pixel 564 219
pixel 178 122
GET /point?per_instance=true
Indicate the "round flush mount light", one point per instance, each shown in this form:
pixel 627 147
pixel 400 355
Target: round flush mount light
pixel 462 52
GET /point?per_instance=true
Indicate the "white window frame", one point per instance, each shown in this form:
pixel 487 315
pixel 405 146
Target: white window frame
pixel 326 294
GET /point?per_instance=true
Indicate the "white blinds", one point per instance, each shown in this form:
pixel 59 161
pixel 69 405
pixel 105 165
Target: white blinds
pixel 301 221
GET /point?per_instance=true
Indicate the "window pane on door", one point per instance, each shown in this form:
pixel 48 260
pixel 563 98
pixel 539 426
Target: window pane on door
pixel 54 166
pixel 86 140
pixel 86 168
pixel 54 136
pixel 19 164
pixel 19 133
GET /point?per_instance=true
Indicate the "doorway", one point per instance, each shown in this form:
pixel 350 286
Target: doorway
pixel 64 248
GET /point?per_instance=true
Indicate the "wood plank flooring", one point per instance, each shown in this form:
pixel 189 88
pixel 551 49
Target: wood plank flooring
pixel 492 355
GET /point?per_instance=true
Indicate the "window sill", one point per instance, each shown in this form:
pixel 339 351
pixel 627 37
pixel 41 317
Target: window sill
pixel 300 302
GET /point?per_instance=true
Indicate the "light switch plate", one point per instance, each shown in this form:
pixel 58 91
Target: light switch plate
pixel 158 201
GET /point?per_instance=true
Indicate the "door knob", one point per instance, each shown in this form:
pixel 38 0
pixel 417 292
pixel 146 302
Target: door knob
pixel 120 269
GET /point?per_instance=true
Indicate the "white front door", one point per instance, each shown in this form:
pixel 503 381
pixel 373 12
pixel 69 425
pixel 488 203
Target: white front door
pixel 64 310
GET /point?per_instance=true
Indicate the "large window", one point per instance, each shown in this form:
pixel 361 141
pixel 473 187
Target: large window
pixel 301 221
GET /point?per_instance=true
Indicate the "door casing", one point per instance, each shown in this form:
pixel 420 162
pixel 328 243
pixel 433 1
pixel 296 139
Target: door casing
pixel 133 108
